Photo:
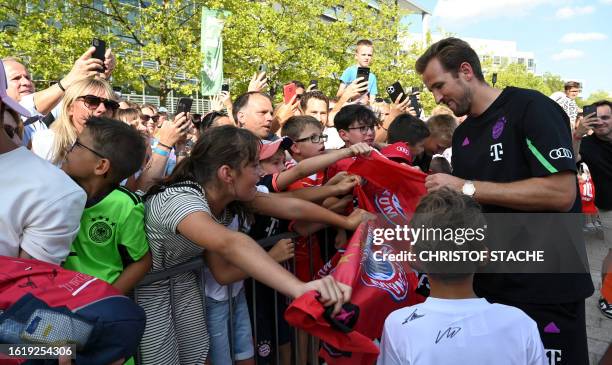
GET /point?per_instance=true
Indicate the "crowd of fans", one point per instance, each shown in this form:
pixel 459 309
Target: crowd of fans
pixel 116 190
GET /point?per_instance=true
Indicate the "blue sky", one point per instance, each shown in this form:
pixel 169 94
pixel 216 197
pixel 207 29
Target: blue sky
pixel 570 38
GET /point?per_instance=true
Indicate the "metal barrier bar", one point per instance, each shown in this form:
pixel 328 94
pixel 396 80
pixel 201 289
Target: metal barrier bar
pixel 230 304
pixel 197 264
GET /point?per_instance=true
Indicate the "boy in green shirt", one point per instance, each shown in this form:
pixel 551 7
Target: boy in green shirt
pixel 111 244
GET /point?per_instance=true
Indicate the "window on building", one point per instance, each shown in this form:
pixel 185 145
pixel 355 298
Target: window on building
pixel 530 63
pixel 521 61
pixel 496 60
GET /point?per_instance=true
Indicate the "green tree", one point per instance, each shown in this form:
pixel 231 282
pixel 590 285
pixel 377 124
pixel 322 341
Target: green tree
pixel 595 96
pixel 47 45
pixel 154 41
pixel 157 42
pixel 553 82
pixel 294 41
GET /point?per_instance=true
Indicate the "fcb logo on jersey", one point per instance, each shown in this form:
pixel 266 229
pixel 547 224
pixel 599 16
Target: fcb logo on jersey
pixel 389 206
pixel 498 128
pixel 386 275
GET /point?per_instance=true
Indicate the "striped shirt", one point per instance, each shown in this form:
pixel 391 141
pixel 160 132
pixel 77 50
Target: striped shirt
pixel 176 330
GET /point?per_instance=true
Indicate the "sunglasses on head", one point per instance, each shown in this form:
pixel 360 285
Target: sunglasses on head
pixel 92 102
pixel 145 118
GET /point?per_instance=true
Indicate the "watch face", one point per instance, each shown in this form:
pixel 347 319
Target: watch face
pixel 468 189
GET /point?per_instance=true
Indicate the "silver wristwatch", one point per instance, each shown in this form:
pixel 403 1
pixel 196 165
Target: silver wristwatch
pixel 468 188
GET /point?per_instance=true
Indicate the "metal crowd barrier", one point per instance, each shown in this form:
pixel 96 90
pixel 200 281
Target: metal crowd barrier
pixel 197 265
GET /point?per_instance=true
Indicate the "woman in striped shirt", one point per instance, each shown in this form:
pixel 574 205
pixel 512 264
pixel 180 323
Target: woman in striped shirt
pixel 187 215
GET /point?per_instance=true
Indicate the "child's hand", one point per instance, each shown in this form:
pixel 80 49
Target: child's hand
pixel 283 250
pixel 357 217
pixel 360 149
pixel 337 178
pixel 356 88
pixel 341 239
pixel 338 205
pixel 331 292
pixel 346 185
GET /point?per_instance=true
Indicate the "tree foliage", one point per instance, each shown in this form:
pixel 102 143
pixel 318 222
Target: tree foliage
pixel 291 37
pixel 595 96
pixel 514 74
pixel 157 42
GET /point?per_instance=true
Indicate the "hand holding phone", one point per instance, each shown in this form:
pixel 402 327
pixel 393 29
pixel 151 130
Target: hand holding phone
pixel 364 72
pixel 184 105
pixel 414 103
pixel 314 85
pixel 289 92
pixel 395 90
pixel 100 52
pixel 258 82
pixel 588 110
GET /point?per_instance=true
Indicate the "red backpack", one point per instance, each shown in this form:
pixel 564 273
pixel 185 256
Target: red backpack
pixel 42 303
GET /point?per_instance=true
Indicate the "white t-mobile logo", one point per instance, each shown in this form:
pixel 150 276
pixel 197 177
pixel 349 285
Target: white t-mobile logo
pixel 554 356
pixel 496 151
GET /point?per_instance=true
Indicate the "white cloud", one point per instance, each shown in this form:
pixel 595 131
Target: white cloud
pixel 583 37
pixel 476 10
pixel 568 54
pixel 609 2
pixel 570 12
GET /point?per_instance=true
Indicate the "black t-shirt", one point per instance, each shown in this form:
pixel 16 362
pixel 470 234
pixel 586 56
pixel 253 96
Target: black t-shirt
pixel 523 134
pixel 423 161
pixel 597 154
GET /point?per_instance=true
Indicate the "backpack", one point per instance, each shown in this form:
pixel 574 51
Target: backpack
pixel 42 303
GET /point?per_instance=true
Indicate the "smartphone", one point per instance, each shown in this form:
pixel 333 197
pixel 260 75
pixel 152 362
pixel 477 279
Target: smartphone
pixel 415 89
pixel 263 68
pixel 494 79
pixel 100 51
pixel 414 103
pixel 225 87
pixel 184 105
pixel 394 91
pixel 363 72
pixel 315 83
pixel 589 109
pixel 289 92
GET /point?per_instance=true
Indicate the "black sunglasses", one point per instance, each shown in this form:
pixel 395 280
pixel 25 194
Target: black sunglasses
pixel 145 118
pixel 77 143
pixel 208 119
pixel 92 102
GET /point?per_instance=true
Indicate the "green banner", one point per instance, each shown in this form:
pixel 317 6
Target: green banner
pixel 211 75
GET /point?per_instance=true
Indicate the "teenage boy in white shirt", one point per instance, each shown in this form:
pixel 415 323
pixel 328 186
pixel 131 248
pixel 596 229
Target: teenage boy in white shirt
pixel 453 325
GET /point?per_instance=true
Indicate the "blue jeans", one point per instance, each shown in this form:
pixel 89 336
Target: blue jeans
pixel 217 319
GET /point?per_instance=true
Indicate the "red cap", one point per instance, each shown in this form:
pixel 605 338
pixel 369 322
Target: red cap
pixel 398 150
pixel 269 148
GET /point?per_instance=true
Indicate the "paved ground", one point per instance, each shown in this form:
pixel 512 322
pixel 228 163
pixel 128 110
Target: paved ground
pixel 599 328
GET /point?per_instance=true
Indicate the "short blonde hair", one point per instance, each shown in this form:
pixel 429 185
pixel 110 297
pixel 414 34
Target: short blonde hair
pixel 65 131
pixel 441 109
pixel 128 115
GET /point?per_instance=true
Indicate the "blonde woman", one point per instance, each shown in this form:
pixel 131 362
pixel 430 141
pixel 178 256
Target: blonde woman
pixel 91 96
